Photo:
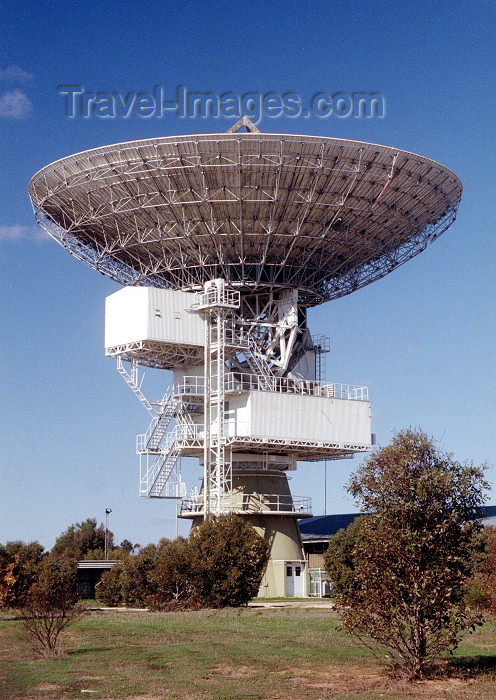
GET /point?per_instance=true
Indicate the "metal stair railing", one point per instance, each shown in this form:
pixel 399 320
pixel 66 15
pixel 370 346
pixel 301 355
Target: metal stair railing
pixel 236 334
pixel 157 474
pixel 152 439
pixel 166 464
pixel 259 365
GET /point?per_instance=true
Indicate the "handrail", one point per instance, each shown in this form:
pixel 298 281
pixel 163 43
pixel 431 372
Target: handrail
pixel 239 382
pixel 256 503
pixel 159 423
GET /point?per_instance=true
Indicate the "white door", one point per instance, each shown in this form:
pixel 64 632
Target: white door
pixel 294 580
pixel 289 581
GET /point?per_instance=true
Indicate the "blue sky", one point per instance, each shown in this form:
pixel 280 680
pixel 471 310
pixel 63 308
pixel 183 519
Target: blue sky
pixel 422 339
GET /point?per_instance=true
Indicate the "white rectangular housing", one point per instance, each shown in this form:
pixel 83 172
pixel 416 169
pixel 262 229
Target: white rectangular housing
pixel 140 314
pixel 300 418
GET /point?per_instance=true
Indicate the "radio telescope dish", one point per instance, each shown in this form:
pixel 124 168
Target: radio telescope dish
pixel 261 211
pixel 223 242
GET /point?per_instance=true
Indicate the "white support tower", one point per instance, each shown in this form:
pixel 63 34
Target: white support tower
pixel 215 303
pixel 250 410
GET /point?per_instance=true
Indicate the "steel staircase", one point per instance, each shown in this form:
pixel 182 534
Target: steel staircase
pixel 149 442
pixel 156 478
pixel 132 381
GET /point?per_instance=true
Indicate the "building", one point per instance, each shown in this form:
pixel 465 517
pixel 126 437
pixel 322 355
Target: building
pixel 88 575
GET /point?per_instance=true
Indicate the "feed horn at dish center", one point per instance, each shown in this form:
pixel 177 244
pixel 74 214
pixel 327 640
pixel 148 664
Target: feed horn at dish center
pixel 223 242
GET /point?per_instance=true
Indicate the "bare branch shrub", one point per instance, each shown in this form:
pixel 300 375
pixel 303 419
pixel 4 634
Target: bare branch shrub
pixel 51 606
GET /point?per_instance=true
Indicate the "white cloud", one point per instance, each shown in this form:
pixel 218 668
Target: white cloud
pixel 12 233
pixel 14 74
pixel 22 233
pixel 15 105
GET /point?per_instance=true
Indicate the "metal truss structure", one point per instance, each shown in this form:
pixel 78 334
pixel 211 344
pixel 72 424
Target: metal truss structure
pixel 157 355
pixel 215 303
pixel 264 212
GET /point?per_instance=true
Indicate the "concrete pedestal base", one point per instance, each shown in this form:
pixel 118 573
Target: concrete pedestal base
pixel 262 496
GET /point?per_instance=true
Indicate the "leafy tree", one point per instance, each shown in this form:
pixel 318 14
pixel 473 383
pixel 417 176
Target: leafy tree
pixel 128 547
pixel 137 584
pixel 51 605
pixel 228 560
pixel 136 587
pixel 84 540
pixel 401 573
pixel 173 577
pixel 109 588
pixel 99 554
pixel 339 558
pixel 129 583
pixel 18 570
pixel 483 589
pixel 160 577
pixel 220 564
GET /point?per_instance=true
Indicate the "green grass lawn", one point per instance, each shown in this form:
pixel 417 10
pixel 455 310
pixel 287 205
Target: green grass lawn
pixel 284 653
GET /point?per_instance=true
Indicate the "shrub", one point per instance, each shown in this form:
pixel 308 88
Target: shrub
pixel 109 588
pixel 131 582
pixel 172 578
pixel 220 564
pixel 228 561
pixel 482 593
pixel 51 606
pixel 18 571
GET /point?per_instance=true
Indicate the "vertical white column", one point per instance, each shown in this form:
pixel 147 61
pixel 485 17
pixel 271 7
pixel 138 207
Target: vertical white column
pixel 207 414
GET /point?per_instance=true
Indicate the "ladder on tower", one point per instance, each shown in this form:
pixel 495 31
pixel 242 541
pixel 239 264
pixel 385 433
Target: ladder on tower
pixel 217 303
pixel 217 470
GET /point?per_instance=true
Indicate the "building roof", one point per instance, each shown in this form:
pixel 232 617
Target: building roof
pixel 489 517
pixel 489 522
pixel 98 563
pixel 323 527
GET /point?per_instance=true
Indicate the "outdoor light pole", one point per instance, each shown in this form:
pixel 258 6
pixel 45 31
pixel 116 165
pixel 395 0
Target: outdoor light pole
pixel 325 488
pixel 107 512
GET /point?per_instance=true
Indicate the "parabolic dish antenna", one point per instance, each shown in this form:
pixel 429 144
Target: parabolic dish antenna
pixel 261 211
pixel 223 241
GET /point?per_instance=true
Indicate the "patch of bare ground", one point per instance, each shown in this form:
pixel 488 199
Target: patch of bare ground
pixel 334 681
pixel 241 671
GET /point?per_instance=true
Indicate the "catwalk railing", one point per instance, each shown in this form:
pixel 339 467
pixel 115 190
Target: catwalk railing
pixel 236 382
pixel 299 506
